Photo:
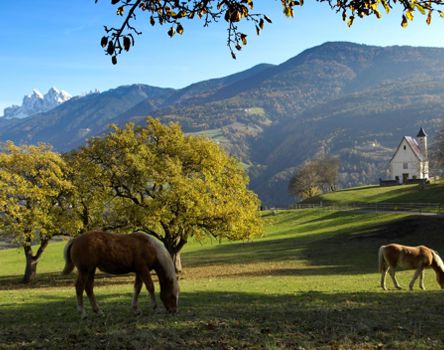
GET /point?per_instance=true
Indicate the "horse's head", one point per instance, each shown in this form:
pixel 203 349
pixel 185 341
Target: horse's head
pixel 170 297
pixel 438 266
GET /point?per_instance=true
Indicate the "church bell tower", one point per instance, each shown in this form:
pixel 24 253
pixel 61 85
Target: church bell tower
pixel 422 140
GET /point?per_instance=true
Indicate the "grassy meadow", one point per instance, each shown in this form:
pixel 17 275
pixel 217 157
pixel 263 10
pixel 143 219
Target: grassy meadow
pixel 310 282
pixel 431 193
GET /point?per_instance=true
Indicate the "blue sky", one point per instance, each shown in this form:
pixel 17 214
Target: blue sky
pixel 48 43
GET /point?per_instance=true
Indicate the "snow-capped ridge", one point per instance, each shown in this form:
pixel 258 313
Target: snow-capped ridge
pixel 37 103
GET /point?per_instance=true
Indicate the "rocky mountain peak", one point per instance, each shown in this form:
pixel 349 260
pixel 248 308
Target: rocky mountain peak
pixel 37 102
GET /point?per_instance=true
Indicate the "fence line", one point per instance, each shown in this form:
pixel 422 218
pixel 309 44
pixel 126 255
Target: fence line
pixel 436 208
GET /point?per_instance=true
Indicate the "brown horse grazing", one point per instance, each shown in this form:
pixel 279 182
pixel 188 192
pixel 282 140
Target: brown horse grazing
pixel 119 254
pixel 396 256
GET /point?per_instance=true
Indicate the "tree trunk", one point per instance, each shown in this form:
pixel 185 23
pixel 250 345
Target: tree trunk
pixel 31 265
pixel 174 250
pixel 177 262
pixel 32 260
pixel 174 245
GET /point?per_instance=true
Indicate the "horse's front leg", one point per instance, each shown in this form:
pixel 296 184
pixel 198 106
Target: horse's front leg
pixel 137 288
pixel 146 278
pixel 421 280
pixel 80 287
pixel 392 273
pixel 418 273
pixel 89 291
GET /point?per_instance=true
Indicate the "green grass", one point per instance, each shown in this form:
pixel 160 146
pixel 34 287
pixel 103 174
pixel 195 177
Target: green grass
pixel 255 111
pixel 432 193
pixel 309 283
pixel 213 134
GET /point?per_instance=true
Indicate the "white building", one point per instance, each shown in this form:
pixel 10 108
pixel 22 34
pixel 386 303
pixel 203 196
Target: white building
pixel 410 160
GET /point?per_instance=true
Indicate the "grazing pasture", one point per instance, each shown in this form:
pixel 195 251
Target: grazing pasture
pixel 431 193
pixel 310 283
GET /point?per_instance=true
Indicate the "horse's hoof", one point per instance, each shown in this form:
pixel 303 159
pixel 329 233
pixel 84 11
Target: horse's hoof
pixel 137 312
pixel 83 316
pixel 99 312
pixel 398 287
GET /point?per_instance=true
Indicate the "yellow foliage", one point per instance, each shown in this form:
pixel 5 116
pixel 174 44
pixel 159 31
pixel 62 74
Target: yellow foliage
pixel 33 185
pixel 176 185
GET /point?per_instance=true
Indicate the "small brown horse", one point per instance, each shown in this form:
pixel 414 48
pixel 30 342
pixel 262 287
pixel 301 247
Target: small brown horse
pixel 396 256
pixel 120 254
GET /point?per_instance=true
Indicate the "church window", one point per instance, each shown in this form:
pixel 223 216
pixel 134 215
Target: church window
pixel 405 147
pixel 405 165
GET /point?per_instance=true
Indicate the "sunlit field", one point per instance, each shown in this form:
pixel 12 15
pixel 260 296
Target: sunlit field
pixel 310 282
pixel 431 193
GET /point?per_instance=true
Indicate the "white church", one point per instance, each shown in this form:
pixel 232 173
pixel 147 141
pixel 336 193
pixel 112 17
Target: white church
pixel 410 161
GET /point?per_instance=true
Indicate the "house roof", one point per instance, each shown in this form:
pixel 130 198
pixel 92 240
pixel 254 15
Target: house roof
pixel 421 133
pixel 415 147
pixel 413 144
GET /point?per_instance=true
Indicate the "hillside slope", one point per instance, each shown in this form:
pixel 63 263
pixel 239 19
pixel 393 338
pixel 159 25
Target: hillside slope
pixel 431 193
pixel 352 101
pixel 71 123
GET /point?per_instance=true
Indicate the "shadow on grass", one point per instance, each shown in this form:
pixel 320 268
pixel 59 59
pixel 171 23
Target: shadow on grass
pixel 55 280
pixel 359 188
pixel 432 193
pixel 337 251
pixel 235 320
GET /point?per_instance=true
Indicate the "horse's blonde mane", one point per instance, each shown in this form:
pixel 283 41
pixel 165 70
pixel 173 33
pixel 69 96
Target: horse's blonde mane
pixel 438 260
pixel 164 259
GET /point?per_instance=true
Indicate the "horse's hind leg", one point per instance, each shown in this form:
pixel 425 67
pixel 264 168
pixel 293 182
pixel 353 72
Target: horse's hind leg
pixel 146 278
pixel 421 280
pixel 383 275
pixel 392 275
pixel 90 292
pixel 137 288
pixel 80 286
pixel 418 273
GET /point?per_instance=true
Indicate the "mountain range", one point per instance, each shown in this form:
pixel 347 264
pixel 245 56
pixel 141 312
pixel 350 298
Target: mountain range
pixel 348 100
pixel 37 103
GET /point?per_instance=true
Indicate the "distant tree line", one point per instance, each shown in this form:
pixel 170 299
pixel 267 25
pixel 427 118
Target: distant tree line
pixel 152 178
pixel 438 153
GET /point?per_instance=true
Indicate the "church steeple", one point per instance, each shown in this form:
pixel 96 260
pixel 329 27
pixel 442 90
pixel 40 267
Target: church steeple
pixel 421 133
pixel 422 141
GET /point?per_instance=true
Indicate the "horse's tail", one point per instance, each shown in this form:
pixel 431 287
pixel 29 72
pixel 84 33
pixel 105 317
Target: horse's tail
pixel 381 260
pixel 69 265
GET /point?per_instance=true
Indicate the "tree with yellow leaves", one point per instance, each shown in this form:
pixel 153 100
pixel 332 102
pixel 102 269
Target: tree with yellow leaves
pixel 173 186
pixel 33 199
